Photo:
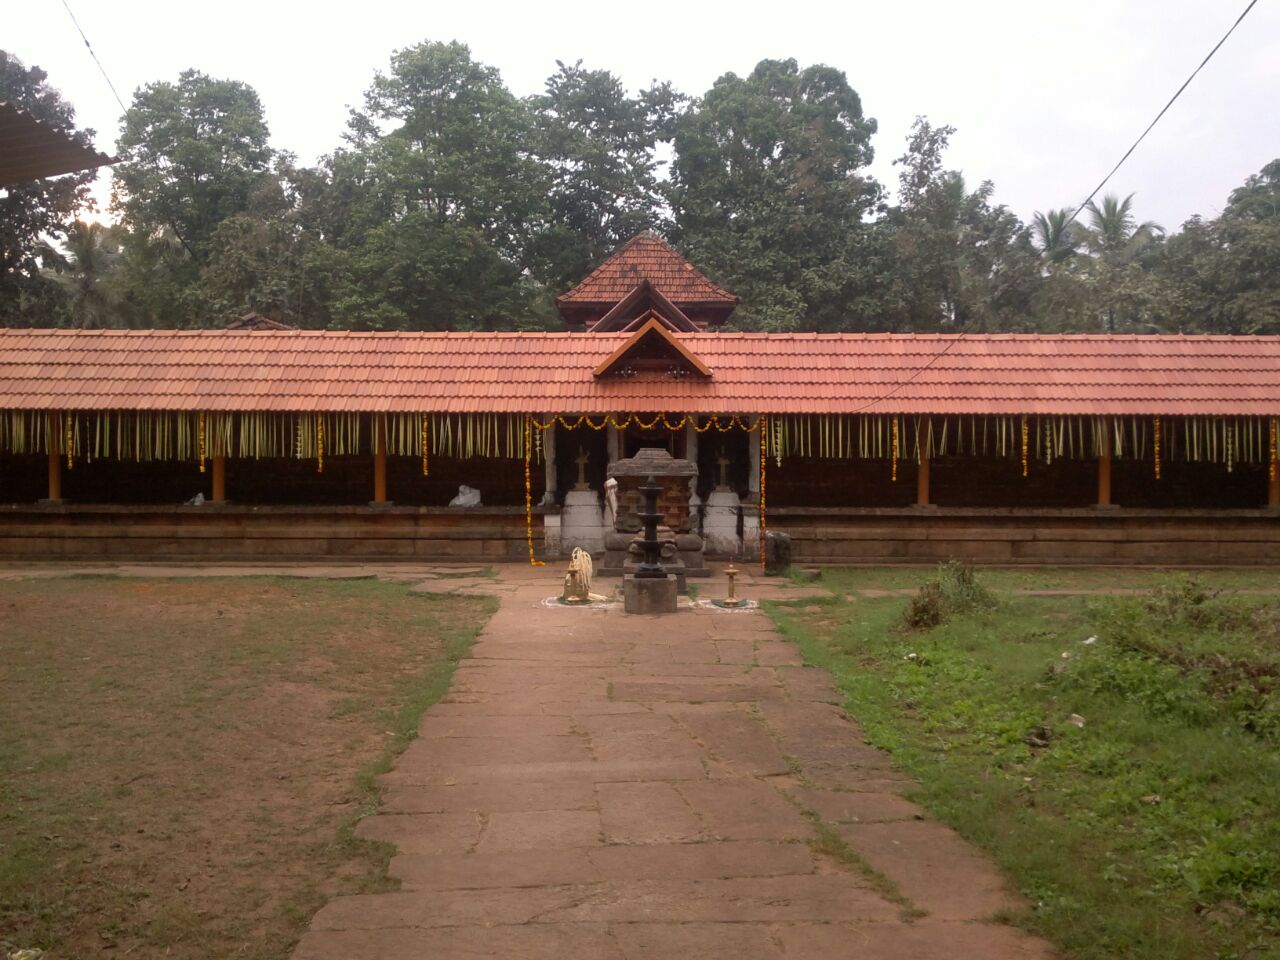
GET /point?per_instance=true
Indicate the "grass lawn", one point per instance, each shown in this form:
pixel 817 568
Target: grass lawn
pixel 182 761
pixel 1128 785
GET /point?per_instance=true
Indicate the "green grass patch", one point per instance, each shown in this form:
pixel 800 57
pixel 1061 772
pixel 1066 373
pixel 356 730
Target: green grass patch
pixel 1129 784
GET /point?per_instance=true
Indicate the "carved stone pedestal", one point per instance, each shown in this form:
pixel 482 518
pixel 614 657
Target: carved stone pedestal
pixel 654 595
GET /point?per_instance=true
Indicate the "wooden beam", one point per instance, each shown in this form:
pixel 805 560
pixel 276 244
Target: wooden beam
pixel 219 479
pixel 55 476
pixel 379 460
pixel 922 479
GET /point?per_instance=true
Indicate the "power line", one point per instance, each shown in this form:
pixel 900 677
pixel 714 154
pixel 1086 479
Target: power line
pixel 1172 100
pixel 89 47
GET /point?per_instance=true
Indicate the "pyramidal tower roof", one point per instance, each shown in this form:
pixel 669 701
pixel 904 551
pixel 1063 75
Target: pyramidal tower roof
pixel 646 256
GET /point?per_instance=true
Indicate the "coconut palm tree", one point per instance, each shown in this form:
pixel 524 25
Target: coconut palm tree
pixel 1114 232
pixel 1120 247
pixel 89 256
pixel 1055 235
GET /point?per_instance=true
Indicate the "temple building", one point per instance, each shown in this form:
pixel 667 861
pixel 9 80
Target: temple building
pixel 266 442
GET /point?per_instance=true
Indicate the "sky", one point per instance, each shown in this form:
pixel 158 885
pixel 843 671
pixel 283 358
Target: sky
pixel 1045 96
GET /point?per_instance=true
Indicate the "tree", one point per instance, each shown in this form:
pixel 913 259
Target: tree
pixel 34 214
pixel 599 147
pixel 1121 250
pixel 428 224
pixel 768 193
pixel 85 271
pixel 462 148
pixel 192 155
pixel 958 261
pixel 1223 275
pixel 1055 235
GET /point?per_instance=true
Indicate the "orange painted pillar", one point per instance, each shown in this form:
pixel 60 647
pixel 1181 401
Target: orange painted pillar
pixel 219 479
pixel 1273 485
pixel 922 480
pixel 379 461
pixel 55 475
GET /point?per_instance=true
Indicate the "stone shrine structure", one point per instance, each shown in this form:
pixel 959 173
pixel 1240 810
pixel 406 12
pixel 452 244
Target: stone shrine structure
pixel 681 547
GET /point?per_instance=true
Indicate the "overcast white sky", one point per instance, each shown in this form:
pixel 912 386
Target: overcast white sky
pixel 1045 95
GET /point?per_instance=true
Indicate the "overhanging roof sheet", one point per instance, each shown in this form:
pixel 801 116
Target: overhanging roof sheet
pixel 31 149
pixel 552 372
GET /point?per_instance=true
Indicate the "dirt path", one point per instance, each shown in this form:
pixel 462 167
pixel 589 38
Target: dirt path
pixel 603 786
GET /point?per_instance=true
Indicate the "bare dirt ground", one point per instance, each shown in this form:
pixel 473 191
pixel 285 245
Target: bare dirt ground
pixel 181 762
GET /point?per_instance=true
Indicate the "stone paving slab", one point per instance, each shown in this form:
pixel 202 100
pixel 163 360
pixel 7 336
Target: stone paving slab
pixel 645 788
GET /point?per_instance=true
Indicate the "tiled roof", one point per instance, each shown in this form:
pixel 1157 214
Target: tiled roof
pixel 646 256
pixel 552 372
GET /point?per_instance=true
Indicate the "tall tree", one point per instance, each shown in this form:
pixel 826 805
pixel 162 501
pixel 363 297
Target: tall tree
pixel 86 270
pixel 426 226
pixel 1055 235
pixel 959 262
pixel 1223 275
pixel 33 215
pixel 599 145
pixel 192 155
pixel 769 192
pixel 1121 249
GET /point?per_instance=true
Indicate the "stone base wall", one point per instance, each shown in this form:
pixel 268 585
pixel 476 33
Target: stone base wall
pixel 83 532
pixel 1026 536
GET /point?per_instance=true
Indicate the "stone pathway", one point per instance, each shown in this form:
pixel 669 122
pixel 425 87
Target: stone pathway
pixel 603 786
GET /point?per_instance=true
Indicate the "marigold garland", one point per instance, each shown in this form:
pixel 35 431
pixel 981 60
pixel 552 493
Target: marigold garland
pixel 319 444
pixel 1271 472
pixel 202 441
pixel 426 446
pixel 528 491
pixel 894 475
pixel 764 463
pixel 1155 448
pixel 1024 446
pixel 69 439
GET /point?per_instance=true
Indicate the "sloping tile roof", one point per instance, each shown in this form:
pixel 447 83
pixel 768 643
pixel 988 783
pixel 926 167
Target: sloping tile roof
pixel 552 372
pixel 31 149
pixel 646 256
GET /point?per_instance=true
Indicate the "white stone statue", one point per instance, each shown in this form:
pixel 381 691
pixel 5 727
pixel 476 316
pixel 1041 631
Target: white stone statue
pixel 577 582
pixel 611 502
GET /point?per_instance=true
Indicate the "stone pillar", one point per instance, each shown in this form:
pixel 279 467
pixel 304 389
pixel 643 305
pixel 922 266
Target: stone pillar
pixel 753 467
pixel 691 454
pixel 613 440
pixel 379 460
pixel 1104 473
pixel 55 477
pixel 219 479
pixel 549 462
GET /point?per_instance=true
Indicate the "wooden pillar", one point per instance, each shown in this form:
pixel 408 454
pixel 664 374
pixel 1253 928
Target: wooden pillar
pixel 1104 474
pixel 922 479
pixel 55 476
pixel 1273 485
pixel 219 479
pixel 379 459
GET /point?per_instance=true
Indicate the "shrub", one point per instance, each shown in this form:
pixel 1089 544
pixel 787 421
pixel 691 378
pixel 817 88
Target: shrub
pixel 954 591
